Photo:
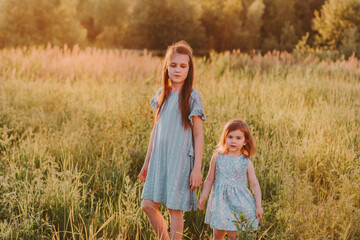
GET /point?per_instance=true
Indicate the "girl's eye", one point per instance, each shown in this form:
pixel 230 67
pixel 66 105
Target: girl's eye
pixel 183 66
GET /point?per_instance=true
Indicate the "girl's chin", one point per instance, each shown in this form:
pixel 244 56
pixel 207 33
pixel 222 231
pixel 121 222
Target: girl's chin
pixel 177 81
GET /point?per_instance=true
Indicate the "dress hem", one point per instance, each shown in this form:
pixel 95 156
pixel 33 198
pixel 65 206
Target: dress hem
pixel 173 208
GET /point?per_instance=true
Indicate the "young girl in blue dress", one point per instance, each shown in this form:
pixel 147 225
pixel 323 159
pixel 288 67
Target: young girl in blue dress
pixel 172 167
pixel 230 169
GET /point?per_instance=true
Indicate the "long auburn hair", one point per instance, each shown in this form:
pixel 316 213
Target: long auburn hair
pixel 181 47
pixel 233 125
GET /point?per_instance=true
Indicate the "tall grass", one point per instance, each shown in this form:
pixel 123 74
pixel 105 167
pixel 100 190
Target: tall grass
pixel 75 124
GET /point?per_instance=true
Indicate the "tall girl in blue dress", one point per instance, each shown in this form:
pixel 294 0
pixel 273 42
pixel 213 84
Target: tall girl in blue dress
pixel 230 169
pixel 172 167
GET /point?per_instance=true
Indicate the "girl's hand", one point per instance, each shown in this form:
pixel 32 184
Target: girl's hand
pixel 201 203
pixel 259 213
pixel 143 173
pixel 195 179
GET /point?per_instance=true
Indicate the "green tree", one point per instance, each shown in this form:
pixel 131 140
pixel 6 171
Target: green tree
pixel 104 20
pixel 210 19
pixel 337 25
pixel 274 31
pixel 254 23
pixel 37 22
pixel 157 24
pixel 303 17
pixel 86 15
pixel 350 42
pixel 111 16
pixel 288 37
pixel 232 24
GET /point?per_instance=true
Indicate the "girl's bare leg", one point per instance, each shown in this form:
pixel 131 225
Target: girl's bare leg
pixel 218 234
pixel 231 234
pixel 157 221
pixel 176 224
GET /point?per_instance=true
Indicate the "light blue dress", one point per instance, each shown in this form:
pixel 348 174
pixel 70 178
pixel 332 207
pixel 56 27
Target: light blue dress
pixel 172 156
pixel 230 194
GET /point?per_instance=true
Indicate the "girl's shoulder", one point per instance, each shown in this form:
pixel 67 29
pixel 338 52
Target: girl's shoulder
pixel 247 160
pixel 245 157
pixel 214 157
pixel 216 154
pixel 155 99
pixel 158 91
pixel 157 95
pixel 195 95
pixel 220 155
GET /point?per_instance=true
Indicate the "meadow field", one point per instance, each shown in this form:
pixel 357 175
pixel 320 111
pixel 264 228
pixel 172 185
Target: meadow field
pixel 75 126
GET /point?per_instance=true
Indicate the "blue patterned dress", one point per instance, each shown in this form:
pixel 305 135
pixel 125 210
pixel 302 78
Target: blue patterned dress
pixel 172 156
pixel 230 194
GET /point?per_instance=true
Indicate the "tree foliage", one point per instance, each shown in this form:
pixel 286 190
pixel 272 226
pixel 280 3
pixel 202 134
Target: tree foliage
pixel 105 21
pixel 286 21
pixel 304 13
pixel 232 24
pixel 206 24
pixel 38 22
pixel 337 26
pixel 157 24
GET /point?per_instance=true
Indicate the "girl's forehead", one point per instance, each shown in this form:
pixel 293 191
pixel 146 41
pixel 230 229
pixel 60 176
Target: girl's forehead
pixel 236 132
pixel 179 58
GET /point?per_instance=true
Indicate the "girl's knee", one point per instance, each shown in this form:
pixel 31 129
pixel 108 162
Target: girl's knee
pixel 218 234
pixel 175 212
pixel 148 206
pixel 231 234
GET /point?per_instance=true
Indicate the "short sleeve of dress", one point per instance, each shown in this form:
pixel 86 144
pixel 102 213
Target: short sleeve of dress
pixel 154 100
pixel 196 108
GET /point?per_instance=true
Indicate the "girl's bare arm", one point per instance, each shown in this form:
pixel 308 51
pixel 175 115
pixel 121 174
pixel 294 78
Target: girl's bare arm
pixel 255 186
pixel 196 177
pixel 208 182
pixel 143 172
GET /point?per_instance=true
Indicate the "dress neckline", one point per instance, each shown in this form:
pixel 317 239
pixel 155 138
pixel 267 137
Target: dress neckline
pixel 234 156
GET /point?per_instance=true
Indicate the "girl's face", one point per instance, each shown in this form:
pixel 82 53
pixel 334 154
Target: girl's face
pixel 235 140
pixel 178 68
